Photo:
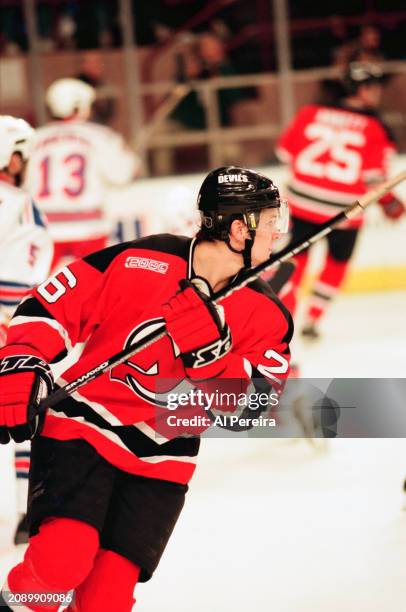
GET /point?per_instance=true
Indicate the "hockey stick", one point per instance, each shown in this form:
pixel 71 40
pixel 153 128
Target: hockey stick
pixel 242 280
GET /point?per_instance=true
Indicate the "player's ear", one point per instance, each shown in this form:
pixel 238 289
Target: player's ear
pixel 238 230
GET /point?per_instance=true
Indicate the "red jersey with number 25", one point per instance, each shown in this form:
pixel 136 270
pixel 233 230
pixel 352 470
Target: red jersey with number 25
pixel 334 153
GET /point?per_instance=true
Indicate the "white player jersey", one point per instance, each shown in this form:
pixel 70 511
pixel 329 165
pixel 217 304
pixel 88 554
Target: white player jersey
pixel 71 165
pixel 26 247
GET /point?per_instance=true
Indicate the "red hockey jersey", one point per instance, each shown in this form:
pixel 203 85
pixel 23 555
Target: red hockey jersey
pixel 334 153
pixel 111 299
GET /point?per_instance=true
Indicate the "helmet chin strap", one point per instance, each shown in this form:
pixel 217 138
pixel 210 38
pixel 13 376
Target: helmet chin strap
pixel 246 251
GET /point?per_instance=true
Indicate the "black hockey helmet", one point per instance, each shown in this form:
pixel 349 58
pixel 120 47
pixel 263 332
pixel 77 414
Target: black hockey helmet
pixel 229 192
pixel 232 192
pixel 361 73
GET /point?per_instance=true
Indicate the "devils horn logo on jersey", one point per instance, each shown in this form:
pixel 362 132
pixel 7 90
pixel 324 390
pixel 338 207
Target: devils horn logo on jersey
pixel 153 373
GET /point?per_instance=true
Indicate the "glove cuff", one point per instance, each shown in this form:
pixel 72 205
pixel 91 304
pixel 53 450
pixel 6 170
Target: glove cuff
pixel 19 349
pixel 17 358
pixel 210 353
pixel 208 361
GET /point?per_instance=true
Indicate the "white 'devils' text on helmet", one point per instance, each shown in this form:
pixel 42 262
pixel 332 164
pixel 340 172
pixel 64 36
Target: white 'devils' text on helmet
pixel 15 137
pixel 67 97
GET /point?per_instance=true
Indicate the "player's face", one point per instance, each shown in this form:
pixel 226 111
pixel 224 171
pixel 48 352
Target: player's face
pixel 265 234
pixel 16 164
pixel 372 94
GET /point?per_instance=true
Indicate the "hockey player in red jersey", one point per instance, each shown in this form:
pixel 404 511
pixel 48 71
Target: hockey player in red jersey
pixel 108 479
pixel 73 162
pixel 335 154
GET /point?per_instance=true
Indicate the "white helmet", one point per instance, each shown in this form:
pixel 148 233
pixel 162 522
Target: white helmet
pixel 179 215
pixel 65 97
pixel 15 137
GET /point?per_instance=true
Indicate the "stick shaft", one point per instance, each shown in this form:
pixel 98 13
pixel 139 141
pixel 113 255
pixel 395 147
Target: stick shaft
pixel 241 281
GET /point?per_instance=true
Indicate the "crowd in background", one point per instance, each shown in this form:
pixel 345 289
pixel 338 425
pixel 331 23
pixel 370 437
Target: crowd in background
pixel 206 41
pixel 245 28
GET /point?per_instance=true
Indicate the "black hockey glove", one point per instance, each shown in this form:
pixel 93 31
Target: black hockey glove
pixel 25 379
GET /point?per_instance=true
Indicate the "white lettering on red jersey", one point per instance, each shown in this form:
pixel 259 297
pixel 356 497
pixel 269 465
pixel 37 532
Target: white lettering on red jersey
pixel 334 154
pixel 107 305
pixel 26 248
pixel 71 165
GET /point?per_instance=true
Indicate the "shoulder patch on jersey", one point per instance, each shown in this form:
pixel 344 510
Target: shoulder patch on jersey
pixel 102 259
pixel 165 243
pixel 261 286
pixel 145 263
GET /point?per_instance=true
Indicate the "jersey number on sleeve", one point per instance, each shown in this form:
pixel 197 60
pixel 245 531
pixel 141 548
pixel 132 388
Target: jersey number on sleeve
pixel 56 287
pixel 75 167
pixel 342 164
pixel 270 371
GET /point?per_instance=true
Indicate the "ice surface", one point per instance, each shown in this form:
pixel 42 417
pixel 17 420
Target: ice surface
pixel 277 526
